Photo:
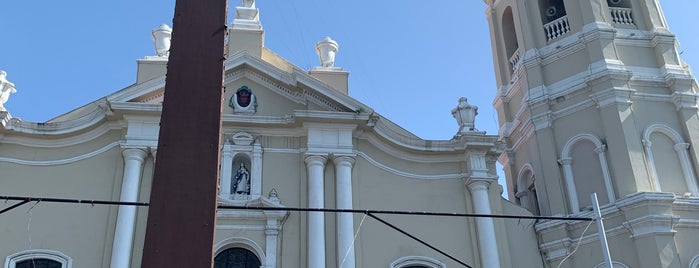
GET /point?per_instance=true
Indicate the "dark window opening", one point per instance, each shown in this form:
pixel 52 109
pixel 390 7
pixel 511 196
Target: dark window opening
pixel 236 258
pixel 38 263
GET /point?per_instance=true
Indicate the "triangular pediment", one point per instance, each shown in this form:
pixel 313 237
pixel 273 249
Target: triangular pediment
pixel 279 88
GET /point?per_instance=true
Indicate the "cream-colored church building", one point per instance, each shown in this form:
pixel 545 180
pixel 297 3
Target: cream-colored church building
pixel 592 97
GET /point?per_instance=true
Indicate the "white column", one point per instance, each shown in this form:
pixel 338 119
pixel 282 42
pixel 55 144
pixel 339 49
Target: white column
pixel 488 246
pixel 226 171
pixel 345 221
pixel 605 172
pixel 126 218
pixel 315 167
pixel 681 149
pixel 651 163
pixel 256 173
pixel 570 185
pixel 271 241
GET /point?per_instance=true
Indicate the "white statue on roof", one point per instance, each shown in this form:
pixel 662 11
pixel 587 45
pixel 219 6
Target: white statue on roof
pixel 6 88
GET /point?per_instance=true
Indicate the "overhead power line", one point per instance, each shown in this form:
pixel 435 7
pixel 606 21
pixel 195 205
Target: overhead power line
pixel 369 212
pixel 331 210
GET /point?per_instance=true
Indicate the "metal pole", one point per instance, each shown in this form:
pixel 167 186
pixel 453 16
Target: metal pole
pixel 183 199
pixel 600 230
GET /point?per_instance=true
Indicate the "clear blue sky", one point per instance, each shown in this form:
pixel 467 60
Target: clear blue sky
pixel 410 60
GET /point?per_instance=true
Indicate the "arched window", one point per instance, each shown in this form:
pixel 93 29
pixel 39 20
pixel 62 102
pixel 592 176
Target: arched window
pixel 615 264
pixel 236 258
pixel 509 35
pixel 694 263
pixel 552 10
pixel 585 171
pixel 38 263
pixel 416 262
pixel 38 258
pixel 526 189
pixel 553 16
pixel 668 161
pixel 238 252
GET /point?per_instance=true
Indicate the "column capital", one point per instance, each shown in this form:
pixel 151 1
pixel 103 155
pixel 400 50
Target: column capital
pixel 601 149
pixel 475 184
pixel 520 194
pixel 138 154
pixel 343 159
pixel 153 151
pixel 681 146
pixel 317 159
pixel 565 161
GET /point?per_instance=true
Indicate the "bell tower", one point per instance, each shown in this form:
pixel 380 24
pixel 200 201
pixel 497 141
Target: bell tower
pixel 592 97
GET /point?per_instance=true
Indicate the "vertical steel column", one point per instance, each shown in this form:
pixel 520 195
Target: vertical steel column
pixel 600 231
pixel 182 212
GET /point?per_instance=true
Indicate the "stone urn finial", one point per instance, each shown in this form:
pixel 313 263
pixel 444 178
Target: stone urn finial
pixel 248 3
pixel 161 38
pixel 326 50
pixel 6 88
pixel 465 115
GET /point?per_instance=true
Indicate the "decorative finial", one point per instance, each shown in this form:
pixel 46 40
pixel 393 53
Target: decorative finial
pixel 248 3
pixel 465 115
pixel 274 196
pixel 326 50
pixel 6 88
pixel 161 38
pixel 247 16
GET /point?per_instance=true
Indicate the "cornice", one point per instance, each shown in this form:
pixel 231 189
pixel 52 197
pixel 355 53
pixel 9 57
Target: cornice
pixel 414 157
pixel 42 142
pixel 136 90
pixel 61 161
pixel 402 138
pixel 100 111
pixel 401 173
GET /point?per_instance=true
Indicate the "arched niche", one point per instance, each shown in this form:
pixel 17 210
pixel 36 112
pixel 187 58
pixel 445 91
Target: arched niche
pixel 668 161
pixel 526 189
pixel 585 171
pixel 241 164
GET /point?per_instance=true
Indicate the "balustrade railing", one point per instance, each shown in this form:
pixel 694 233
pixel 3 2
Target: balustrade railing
pixel 621 15
pixel 556 28
pixel 514 60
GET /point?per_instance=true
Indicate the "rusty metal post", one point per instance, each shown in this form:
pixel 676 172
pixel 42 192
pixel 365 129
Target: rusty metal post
pixel 182 212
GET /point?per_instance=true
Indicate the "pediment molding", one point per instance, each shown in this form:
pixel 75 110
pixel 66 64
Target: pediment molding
pixel 296 86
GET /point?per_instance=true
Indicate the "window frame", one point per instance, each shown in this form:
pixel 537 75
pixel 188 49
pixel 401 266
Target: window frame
pixel 417 260
pixel 12 260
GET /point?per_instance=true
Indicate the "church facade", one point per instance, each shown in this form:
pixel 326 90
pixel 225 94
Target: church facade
pixel 592 98
pixel 291 138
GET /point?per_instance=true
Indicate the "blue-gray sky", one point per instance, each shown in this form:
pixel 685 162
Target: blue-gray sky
pixel 410 60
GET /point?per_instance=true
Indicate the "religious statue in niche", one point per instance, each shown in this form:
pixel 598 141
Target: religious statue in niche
pixel 241 181
pixel 243 101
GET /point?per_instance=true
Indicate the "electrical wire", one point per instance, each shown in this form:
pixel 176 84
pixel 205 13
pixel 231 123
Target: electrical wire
pixel 361 211
pixel 366 212
pixel 356 234
pixel 577 245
